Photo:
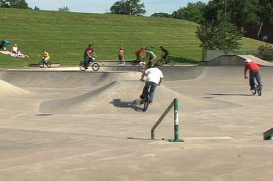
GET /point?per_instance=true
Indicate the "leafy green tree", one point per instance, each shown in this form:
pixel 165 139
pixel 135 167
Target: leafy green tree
pixel 193 12
pixel 219 34
pixel 265 11
pixel 161 15
pixel 21 4
pixel 242 12
pixel 128 7
pixel 64 9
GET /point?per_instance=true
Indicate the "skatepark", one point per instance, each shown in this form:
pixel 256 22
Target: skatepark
pixel 65 124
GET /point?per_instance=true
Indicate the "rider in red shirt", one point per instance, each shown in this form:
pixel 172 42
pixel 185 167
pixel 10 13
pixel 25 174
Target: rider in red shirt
pixel 254 72
pixel 139 54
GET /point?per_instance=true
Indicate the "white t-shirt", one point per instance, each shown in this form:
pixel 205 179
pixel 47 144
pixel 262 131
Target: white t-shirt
pixel 14 49
pixel 154 75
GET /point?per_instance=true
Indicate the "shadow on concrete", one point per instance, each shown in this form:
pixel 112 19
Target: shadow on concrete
pixel 134 105
pixel 229 95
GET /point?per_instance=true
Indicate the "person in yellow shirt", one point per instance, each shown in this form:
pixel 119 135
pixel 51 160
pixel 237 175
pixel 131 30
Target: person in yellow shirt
pixel 45 56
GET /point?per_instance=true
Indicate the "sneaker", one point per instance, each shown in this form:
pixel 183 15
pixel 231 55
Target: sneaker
pixel 141 97
pixel 151 102
pixel 86 67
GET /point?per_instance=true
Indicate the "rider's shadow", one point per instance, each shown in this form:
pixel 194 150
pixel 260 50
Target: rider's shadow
pixel 133 105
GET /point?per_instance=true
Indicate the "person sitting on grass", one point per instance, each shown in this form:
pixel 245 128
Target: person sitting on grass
pixel 14 50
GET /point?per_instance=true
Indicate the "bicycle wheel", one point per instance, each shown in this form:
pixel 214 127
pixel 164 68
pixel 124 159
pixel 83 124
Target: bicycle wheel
pixel 142 67
pixel 41 64
pixel 82 67
pixel 95 66
pixel 253 91
pixel 259 90
pixel 134 62
pixel 161 62
pixel 171 62
pixel 146 103
pixel 48 64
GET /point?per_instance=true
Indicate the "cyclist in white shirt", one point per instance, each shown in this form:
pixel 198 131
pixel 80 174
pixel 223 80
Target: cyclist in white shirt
pixel 154 77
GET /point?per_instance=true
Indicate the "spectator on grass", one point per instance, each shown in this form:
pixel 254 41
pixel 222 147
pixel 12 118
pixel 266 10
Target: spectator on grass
pixel 175 14
pixel 120 55
pixel 3 45
pixel 14 50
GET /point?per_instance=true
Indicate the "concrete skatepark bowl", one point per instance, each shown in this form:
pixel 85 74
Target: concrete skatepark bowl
pixel 64 124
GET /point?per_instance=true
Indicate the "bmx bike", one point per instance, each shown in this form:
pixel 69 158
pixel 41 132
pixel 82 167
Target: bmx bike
pixel 143 66
pixel 95 66
pixel 257 90
pixel 42 63
pixel 166 61
pixel 146 102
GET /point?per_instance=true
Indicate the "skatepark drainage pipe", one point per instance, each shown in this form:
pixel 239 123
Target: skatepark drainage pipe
pixel 176 122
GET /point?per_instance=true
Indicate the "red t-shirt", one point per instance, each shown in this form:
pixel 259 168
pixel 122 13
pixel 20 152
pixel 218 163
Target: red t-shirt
pixel 251 66
pixel 139 51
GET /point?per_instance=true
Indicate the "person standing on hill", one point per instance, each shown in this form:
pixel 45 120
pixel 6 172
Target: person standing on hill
pixel 88 55
pixel 120 55
pixel 254 73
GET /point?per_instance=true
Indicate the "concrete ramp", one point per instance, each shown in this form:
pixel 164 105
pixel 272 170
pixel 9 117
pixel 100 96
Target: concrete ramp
pixel 65 79
pixel 7 89
pixel 235 60
pixel 256 59
pixel 123 97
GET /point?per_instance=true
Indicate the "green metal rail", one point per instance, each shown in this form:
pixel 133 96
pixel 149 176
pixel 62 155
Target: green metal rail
pixel 176 122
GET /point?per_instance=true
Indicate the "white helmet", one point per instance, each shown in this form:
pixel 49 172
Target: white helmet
pixel 247 60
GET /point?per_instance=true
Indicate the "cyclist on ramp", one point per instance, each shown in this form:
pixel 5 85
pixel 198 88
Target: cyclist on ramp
pixel 154 77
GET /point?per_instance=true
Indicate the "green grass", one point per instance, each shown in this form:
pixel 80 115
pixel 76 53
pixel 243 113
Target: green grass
pixel 66 35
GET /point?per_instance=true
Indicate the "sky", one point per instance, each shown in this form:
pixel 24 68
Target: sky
pixel 102 6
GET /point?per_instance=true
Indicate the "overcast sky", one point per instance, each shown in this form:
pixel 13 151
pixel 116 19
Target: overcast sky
pixel 102 6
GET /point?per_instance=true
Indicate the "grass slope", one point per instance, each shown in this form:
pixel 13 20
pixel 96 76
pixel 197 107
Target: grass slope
pixel 66 35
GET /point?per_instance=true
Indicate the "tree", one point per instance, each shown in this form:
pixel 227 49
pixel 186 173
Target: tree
pixel 219 34
pixel 265 11
pixel 161 15
pixel 64 9
pixel 20 4
pixel 193 12
pixel 128 7
pixel 242 12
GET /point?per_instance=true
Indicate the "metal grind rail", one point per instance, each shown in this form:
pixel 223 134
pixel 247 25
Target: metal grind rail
pixel 176 122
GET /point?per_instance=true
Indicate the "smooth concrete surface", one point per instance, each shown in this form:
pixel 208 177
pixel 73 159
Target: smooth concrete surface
pixel 62 124
pixel 235 60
